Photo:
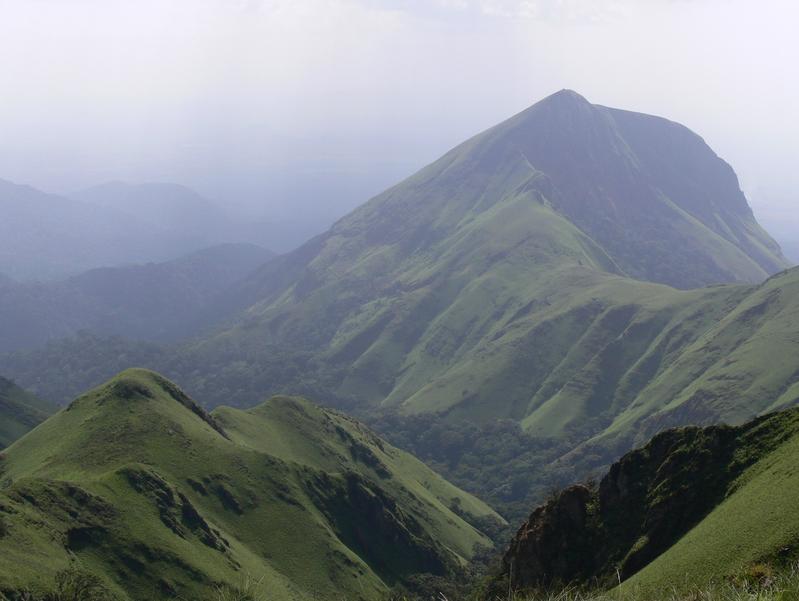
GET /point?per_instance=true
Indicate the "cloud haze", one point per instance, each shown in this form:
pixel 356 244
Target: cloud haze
pixel 270 102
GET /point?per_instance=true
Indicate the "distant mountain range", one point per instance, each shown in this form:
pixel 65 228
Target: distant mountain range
pixel 51 237
pixel 137 485
pixel 155 301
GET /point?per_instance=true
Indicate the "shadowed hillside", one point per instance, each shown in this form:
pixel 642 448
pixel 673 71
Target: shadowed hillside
pixel 156 301
pixel 691 506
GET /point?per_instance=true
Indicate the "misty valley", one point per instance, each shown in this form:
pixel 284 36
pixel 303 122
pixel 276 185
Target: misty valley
pixel 558 362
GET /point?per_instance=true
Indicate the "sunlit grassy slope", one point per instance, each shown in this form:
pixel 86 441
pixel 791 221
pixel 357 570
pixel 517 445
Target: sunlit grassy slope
pixel 758 521
pixel 760 583
pixel 20 412
pixel 135 482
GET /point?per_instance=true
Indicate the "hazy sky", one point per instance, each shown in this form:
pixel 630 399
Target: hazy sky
pixel 272 101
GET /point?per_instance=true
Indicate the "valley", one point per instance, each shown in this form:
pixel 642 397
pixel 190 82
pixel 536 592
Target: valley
pixel 577 291
pixel 121 300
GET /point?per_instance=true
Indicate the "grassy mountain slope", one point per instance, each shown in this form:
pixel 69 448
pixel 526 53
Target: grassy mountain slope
pixel 495 283
pixel 740 366
pixel 20 412
pixel 136 483
pixel 121 300
pixel 603 366
pixel 693 505
pixel 412 290
pixel 756 523
pixel 648 190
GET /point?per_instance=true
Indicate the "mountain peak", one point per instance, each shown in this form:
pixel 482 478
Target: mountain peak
pixel 566 95
pixel 558 115
pixel 564 99
pixel 137 385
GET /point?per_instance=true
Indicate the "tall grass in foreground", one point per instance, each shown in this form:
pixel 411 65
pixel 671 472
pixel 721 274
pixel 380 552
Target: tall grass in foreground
pixel 247 590
pixel 758 583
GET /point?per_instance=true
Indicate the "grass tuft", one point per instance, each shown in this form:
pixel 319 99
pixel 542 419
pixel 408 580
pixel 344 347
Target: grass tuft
pixel 248 590
pixel 758 582
pixel 70 585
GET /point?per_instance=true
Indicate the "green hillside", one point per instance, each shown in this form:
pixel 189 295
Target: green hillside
pixel 535 274
pixel 742 365
pixel 20 412
pixel 488 284
pixel 136 483
pixel 691 507
pixel 510 247
pixel 756 521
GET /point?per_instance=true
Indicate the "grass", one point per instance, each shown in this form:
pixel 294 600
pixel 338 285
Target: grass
pixel 506 281
pixel 249 589
pixel 756 520
pixel 479 288
pixel 758 582
pixel 691 507
pixel 162 500
pixel 70 584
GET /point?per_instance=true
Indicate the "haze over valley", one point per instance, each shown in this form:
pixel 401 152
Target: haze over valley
pixel 464 301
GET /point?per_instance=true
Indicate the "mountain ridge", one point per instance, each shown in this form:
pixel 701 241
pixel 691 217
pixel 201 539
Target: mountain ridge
pixel 137 484
pixel 669 513
pixel 499 207
pixel 155 301
pixel 49 237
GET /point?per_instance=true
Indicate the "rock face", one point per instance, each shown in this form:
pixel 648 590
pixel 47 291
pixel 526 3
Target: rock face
pixel 646 502
pixel 554 544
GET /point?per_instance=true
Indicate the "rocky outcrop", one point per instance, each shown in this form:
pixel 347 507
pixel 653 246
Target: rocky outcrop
pixel 555 543
pixel 647 501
